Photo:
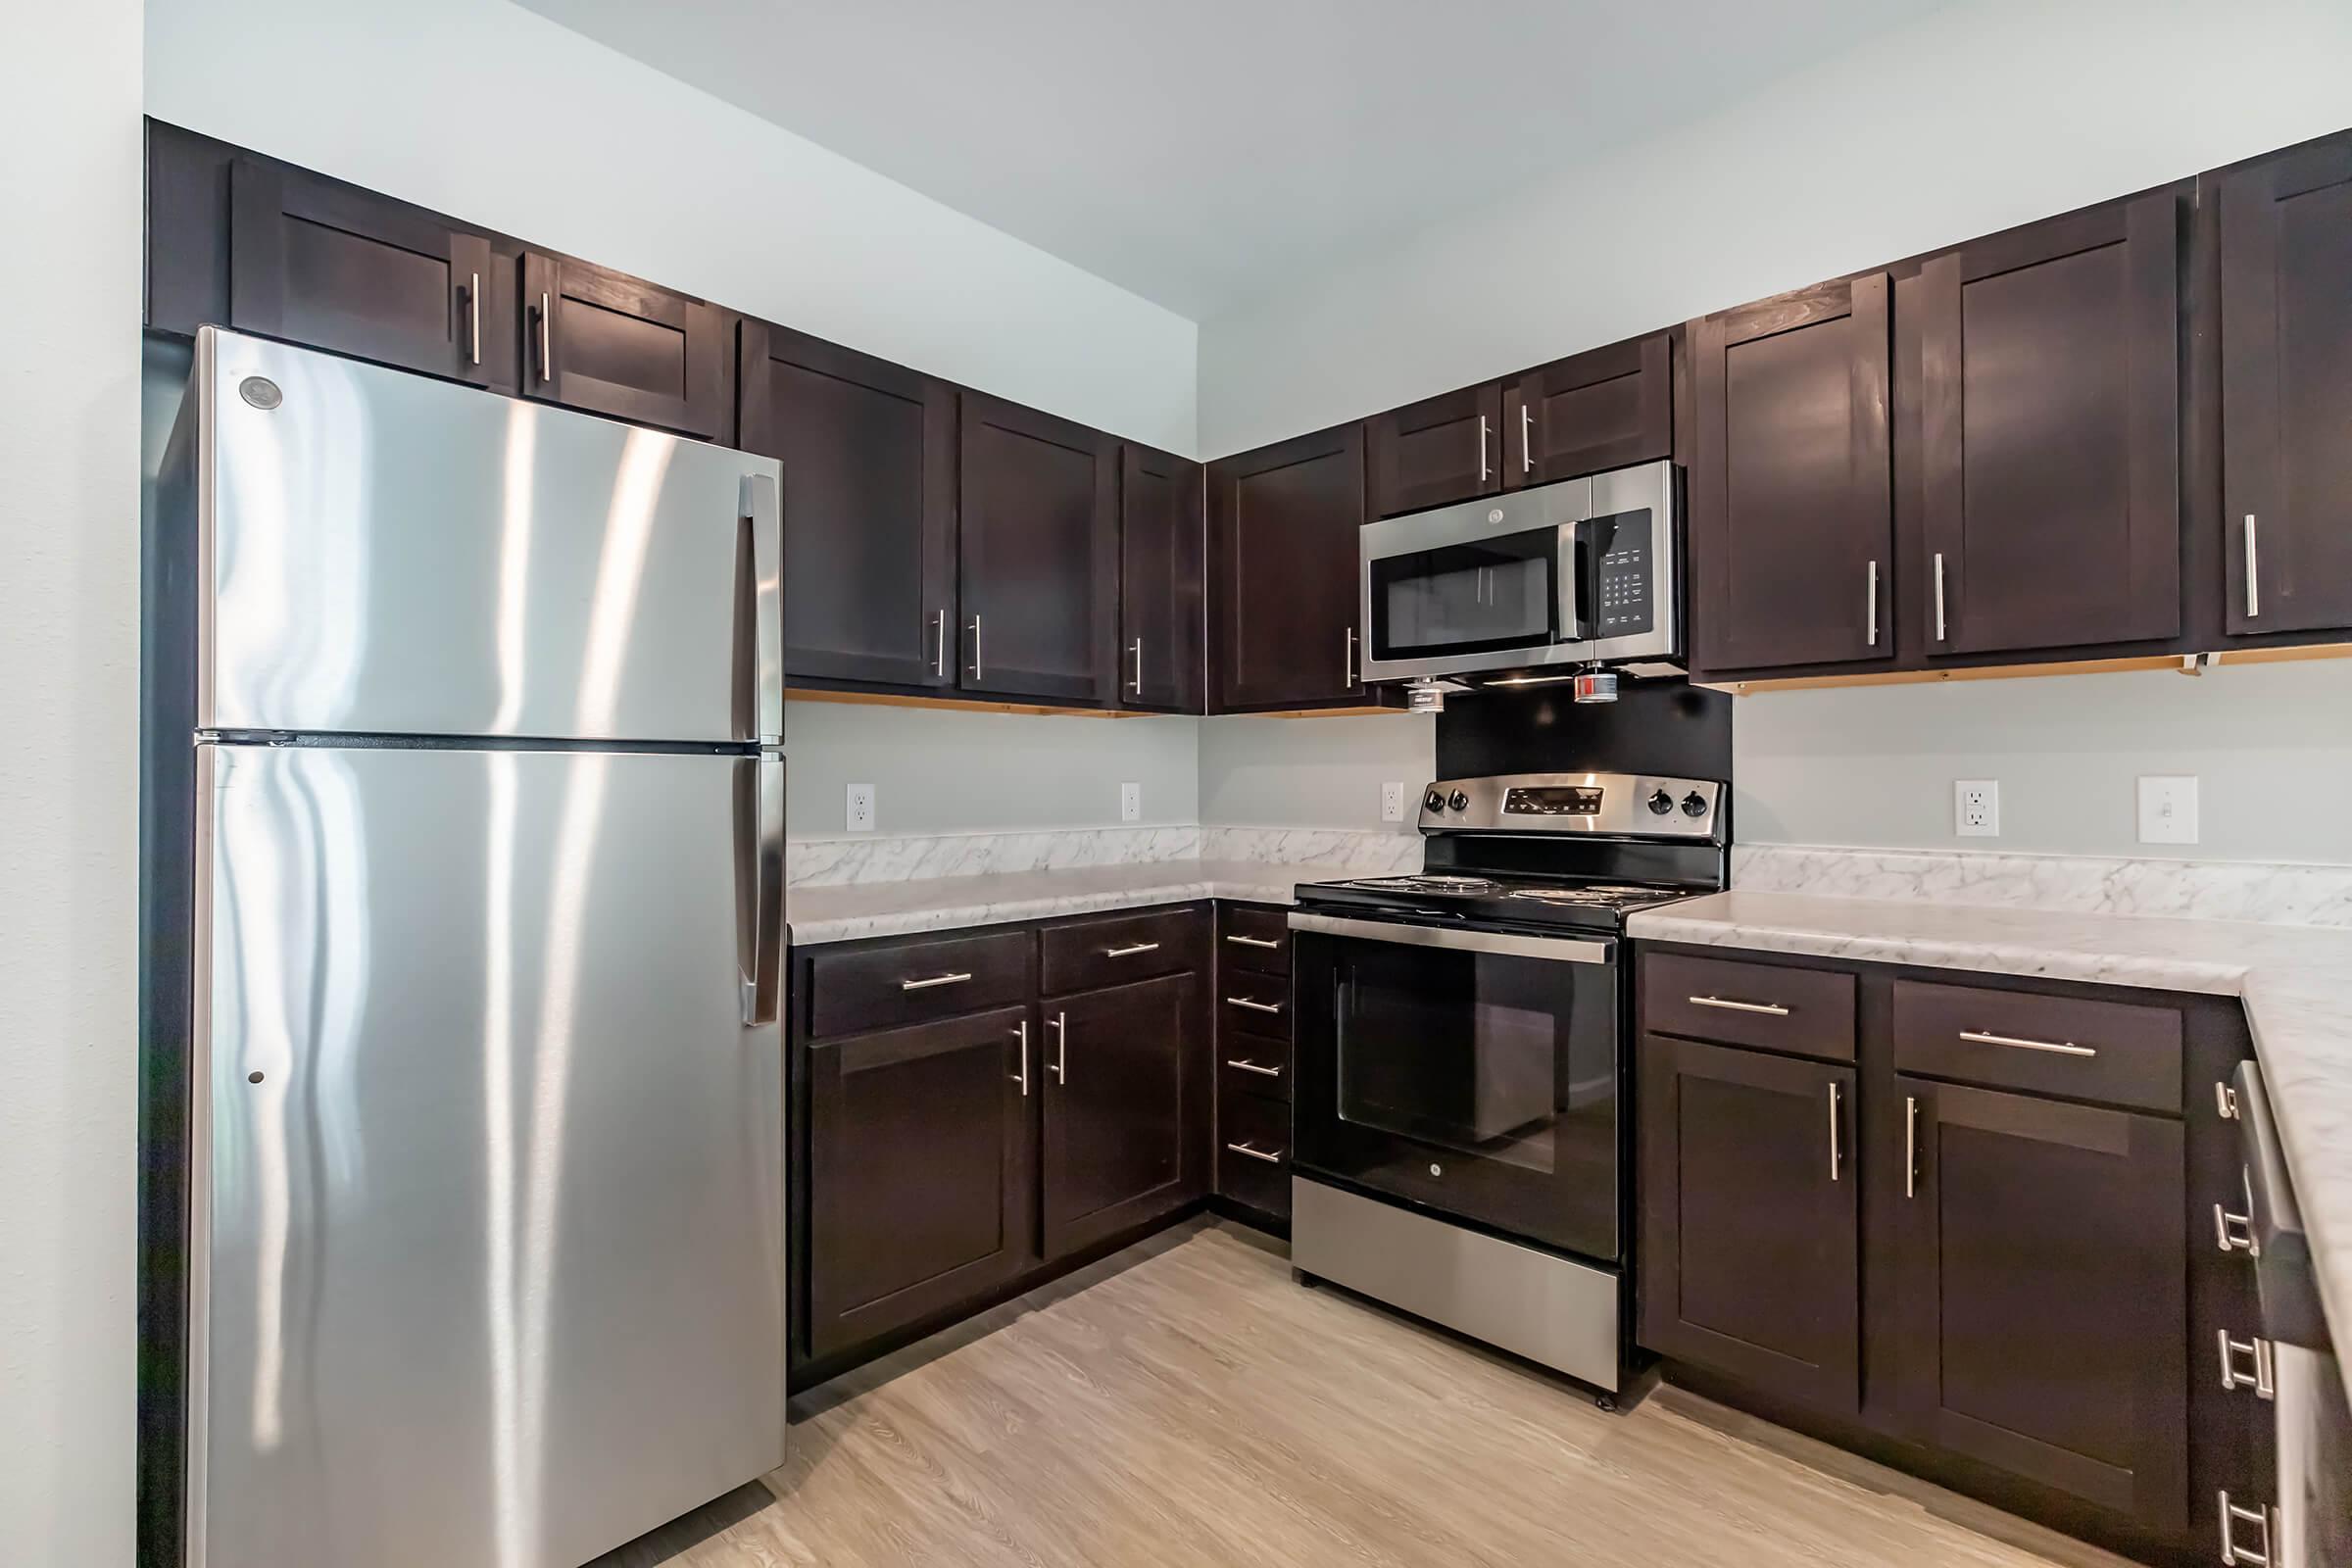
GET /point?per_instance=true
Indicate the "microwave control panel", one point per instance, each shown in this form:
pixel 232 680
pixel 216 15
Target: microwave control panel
pixel 1624 600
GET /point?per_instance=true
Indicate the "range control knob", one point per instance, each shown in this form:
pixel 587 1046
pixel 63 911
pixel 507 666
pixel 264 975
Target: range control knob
pixel 1694 805
pixel 1458 801
pixel 1660 803
pixel 1433 801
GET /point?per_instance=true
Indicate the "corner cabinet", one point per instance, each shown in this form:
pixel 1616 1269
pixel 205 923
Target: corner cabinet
pixel 1162 538
pixel 1038 555
pixel 1283 522
pixel 868 450
pixel 2286 390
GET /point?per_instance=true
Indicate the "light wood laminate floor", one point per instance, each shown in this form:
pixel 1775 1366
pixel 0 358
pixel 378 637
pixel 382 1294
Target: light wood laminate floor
pixel 1186 1402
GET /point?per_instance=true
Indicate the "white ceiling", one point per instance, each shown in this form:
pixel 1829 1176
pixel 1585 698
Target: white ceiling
pixel 1205 152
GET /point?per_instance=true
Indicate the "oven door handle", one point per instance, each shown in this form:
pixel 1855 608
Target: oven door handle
pixel 1559 950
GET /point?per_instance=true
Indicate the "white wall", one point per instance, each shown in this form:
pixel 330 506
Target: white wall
pixel 939 771
pixel 1980 116
pixel 1312 772
pixel 69 832
pixel 494 113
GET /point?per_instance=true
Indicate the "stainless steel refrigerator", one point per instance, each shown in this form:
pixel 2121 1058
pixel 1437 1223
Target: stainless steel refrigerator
pixel 480 910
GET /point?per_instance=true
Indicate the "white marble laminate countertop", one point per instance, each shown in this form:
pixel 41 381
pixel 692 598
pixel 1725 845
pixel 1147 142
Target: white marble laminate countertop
pixel 818 914
pixel 2296 982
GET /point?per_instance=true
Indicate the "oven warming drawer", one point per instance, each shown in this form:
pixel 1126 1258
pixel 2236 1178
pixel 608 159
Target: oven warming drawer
pixel 1531 1303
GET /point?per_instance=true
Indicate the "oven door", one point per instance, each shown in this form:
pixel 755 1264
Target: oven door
pixel 1471 1071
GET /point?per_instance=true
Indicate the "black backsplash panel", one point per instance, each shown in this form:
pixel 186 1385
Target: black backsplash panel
pixel 1654 727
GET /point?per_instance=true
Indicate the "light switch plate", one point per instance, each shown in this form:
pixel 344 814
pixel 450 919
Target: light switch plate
pixel 2168 808
pixel 1391 801
pixel 1976 808
pixel 1131 803
pixel 861 809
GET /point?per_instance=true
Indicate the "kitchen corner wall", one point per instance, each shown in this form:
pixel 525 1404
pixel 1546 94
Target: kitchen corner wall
pixel 1312 772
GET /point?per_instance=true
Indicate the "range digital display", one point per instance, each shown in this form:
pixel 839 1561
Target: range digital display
pixel 1571 799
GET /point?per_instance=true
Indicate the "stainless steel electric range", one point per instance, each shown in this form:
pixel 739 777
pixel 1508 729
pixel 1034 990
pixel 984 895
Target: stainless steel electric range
pixel 1462 1138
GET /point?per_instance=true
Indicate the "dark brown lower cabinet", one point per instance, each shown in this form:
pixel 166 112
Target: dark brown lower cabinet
pixel 921 1172
pixel 1117 1078
pixel 1749 1244
pixel 2039 1292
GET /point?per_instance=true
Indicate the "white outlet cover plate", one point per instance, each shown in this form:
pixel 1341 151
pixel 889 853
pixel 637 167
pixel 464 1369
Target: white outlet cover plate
pixel 1976 808
pixel 861 811
pixel 1131 803
pixel 1391 801
pixel 2168 808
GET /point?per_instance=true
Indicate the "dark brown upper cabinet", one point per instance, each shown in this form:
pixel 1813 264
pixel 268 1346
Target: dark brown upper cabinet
pixel 1792 508
pixel 1607 407
pixel 2040 1294
pixel 2046 424
pixel 319 262
pixel 868 450
pixel 2286 390
pixel 1039 556
pixel 1120 1068
pixel 1162 537
pixel 1283 521
pixel 1434 452
pixel 1750 1249
pixel 608 343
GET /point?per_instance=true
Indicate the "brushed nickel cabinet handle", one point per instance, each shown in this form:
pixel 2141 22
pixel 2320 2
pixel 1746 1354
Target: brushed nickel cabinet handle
pixel 1253 941
pixel 1251 1066
pixel 2056 1048
pixel 1347 666
pixel 1061 1067
pixel 1255 1007
pixel 1138 649
pixel 1482 449
pixel 1873 603
pixel 2233 1515
pixel 935 980
pixel 1020 1032
pixel 1527 439
pixel 1910 1146
pixel 474 308
pixel 1729 1004
pixel 2253 571
pixel 2257 1351
pixel 1131 950
pixel 1940 631
pixel 939 659
pixel 974 629
pixel 1274 1159
pixel 1835 1153
pixel 2234 1233
pixel 546 353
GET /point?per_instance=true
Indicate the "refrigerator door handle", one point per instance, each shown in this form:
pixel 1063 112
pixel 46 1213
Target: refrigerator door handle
pixel 760 623
pixel 759 885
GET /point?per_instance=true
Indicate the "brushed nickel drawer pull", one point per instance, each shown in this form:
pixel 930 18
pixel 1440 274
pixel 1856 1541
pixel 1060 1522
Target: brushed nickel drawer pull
pixel 1131 951
pixel 1274 1159
pixel 2234 1515
pixel 935 980
pixel 1251 1066
pixel 2226 1227
pixel 2256 1349
pixel 1770 1009
pixel 2067 1048
pixel 1255 1007
pixel 1254 942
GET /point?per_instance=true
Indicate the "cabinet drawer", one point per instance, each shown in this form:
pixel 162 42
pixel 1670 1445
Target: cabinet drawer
pixel 1083 955
pixel 913 982
pixel 1254 1005
pixel 1805 1012
pixel 1251 1065
pixel 2120 1052
pixel 1254 1151
pixel 1254 937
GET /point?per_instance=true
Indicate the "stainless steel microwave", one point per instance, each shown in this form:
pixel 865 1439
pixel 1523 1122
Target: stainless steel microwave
pixel 1580 573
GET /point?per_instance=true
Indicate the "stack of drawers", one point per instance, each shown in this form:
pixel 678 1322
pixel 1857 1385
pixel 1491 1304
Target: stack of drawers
pixel 1254 1059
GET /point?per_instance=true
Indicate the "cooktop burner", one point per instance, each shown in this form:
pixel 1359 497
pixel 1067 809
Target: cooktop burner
pixel 1456 885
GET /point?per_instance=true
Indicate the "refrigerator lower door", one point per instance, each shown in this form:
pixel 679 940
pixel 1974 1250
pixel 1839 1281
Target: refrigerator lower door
pixel 488 1206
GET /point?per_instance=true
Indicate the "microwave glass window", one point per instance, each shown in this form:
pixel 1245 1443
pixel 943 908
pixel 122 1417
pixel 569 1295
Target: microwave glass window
pixel 1467 598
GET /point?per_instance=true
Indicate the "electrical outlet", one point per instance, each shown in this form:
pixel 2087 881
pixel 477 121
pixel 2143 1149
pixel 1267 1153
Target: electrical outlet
pixel 1131 803
pixel 2168 810
pixel 1391 801
pixel 1976 808
pixel 861 808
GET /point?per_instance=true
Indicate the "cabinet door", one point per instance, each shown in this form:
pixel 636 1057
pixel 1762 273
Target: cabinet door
pixel 1792 509
pixel 922 1171
pixel 2286 390
pixel 1038 554
pixel 1603 408
pixel 323 265
pixel 1437 451
pixel 2048 432
pixel 1749 1261
pixel 608 343
pixel 1119 1072
pixel 1283 521
pixel 1161 539
pixel 868 450
pixel 2039 1292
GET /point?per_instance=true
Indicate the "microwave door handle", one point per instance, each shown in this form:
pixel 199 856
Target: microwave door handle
pixel 1576 582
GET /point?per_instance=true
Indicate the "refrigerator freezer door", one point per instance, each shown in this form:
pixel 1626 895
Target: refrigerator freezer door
pixel 488 1201
pixel 388 553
